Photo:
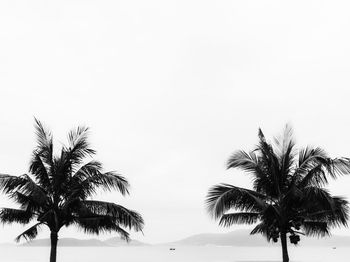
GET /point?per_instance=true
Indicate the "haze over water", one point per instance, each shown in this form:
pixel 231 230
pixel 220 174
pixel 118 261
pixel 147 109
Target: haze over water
pixel 181 254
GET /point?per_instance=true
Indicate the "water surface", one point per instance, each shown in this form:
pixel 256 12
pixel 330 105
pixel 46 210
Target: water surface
pixel 181 254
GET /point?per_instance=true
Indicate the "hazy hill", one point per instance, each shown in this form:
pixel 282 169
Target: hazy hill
pixel 66 242
pixel 74 242
pixel 243 238
pixel 235 238
pixel 116 241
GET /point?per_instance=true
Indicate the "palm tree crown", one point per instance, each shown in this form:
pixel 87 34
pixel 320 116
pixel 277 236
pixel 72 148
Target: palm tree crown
pixel 288 195
pixel 58 190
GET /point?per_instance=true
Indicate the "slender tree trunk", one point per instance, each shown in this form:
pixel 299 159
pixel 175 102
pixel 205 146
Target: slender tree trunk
pixel 54 240
pixel 284 247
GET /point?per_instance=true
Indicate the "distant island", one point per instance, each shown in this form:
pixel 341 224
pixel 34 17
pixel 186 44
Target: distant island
pixel 239 238
pixel 74 242
pixel 242 238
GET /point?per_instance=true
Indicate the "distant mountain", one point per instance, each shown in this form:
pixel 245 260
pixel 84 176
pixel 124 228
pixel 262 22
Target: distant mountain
pixel 235 238
pixel 67 242
pixel 117 241
pixel 243 238
pixel 74 242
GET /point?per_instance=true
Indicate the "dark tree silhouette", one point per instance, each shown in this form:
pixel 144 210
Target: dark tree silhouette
pixel 288 195
pixel 58 191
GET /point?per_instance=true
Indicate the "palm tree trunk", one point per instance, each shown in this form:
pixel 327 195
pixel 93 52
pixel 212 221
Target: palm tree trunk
pixel 284 247
pixel 54 240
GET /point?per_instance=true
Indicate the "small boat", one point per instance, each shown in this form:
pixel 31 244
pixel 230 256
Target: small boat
pixel 172 248
pixel 334 247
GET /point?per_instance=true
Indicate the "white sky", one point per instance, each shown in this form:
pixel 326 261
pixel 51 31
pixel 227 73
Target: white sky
pixel 170 89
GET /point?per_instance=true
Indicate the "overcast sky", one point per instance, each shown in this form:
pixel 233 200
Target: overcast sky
pixel 170 89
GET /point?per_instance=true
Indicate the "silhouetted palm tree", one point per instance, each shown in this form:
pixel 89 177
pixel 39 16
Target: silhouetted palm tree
pixel 57 192
pixel 288 196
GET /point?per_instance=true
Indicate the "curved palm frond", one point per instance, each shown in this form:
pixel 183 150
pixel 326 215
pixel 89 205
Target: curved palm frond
pixel 316 198
pixel 79 146
pixel 111 180
pixel 264 229
pixel 125 217
pixel 87 170
pixel 284 148
pixel 284 143
pixel 40 170
pixel 340 214
pixel 9 184
pixel 224 197
pixel 340 166
pixel 99 224
pixel 310 160
pixel 89 177
pixel 315 177
pixel 24 184
pixel 228 220
pixel 44 143
pixel 271 162
pixel 260 228
pixel 251 163
pixel 32 202
pixel 245 161
pixel 315 228
pixel 30 233
pixel 308 155
pixel 10 215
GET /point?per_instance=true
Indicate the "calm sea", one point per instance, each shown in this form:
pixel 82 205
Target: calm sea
pixel 181 254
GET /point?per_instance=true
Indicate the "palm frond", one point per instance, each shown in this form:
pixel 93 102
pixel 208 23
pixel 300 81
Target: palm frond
pixel 30 233
pixel 309 157
pixel 10 215
pixel 285 152
pixel 272 163
pixel 222 198
pixel 340 214
pixel 263 229
pixel 341 166
pixel 111 180
pixel 260 228
pixel 251 163
pixel 314 177
pixel 100 224
pixel 315 228
pixel 337 216
pixel 285 142
pixel 125 217
pixel 40 170
pixel 79 146
pixel 89 177
pixel 24 184
pixel 228 220
pixel 31 201
pixel 44 142
pixel 10 183
pixel 87 170
pixel 284 148
pixel 316 198
pixel 246 161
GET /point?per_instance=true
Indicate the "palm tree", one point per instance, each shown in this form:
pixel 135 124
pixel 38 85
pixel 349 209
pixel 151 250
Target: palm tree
pixel 58 191
pixel 288 195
